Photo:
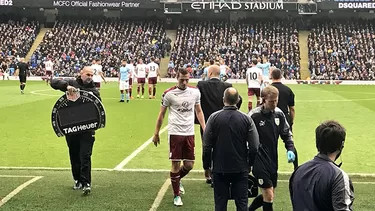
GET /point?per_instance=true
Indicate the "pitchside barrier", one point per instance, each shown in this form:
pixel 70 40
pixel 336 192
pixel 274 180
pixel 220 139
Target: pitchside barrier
pixel 234 81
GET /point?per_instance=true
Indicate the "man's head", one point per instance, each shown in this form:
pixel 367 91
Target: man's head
pixel 213 71
pixel 123 62
pixel 276 74
pixel 183 78
pixel 254 62
pixel 330 138
pixel 270 97
pixel 212 62
pixel 231 97
pixel 86 75
pixel 98 61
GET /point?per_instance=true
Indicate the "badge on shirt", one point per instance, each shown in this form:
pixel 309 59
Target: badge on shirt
pixel 277 121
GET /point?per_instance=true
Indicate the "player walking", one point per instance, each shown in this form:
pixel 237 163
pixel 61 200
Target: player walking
pixel 141 77
pixel 124 81
pixel 152 73
pixel 183 101
pixel 254 80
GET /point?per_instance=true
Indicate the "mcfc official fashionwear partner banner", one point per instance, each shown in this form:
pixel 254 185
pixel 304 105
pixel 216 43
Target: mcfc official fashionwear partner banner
pixel 77 113
pixel 108 4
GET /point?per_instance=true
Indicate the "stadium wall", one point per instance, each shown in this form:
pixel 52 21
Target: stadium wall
pixel 233 81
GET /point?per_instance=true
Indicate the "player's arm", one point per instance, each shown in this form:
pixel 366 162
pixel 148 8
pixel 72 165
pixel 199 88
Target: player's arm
pixel 102 75
pixel 247 78
pixel 119 76
pixel 342 193
pixel 61 85
pixel 199 111
pixel 253 141
pixel 285 133
pixel 160 119
pixel 292 111
pixel 260 76
pixel 208 139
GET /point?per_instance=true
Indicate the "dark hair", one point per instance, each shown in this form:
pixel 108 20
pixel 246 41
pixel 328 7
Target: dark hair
pixel 231 96
pixel 276 74
pixel 212 62
pixel 182 71
pixel 254 61
pixel 330 137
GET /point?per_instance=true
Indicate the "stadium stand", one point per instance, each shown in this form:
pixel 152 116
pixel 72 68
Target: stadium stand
pixel 75 43
pixel 17 36
pixel 237 44
pixel 342 51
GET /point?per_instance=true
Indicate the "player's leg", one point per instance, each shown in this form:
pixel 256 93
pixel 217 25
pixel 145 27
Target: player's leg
pixel 22 79
pixel 149 89
pixel 75 161
pixel 143 88
pixel 138 87
pixel 87 142
pixel 130 88
pixel 266 182
pixel 250 95
pixel 257 94
pixel 122 88
pixel 126 87
pixel 175 155
pixel 154 87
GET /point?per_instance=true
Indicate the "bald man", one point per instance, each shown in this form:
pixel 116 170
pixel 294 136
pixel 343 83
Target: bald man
pixel 212 93
pixel 80 145
pixel 22 69
pixel 231 148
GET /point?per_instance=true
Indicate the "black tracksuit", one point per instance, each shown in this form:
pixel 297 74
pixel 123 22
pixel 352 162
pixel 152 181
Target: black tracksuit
pixel 321 185
pixel 80 145
pixel 232 147
pixel 270 125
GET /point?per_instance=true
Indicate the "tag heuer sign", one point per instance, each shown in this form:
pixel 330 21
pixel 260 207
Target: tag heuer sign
pixel 78 113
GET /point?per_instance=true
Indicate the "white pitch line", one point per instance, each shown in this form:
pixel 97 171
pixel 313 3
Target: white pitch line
pixel 137 151
pixel 47 168
pixel 37 92
pixel 160 195
pixel 16 176
pixel 18 189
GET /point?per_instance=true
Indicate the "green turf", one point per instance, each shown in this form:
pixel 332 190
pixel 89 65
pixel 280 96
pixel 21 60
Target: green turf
pixel 27 140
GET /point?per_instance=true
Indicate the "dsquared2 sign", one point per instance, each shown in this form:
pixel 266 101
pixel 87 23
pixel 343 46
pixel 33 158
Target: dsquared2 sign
pixel 73 115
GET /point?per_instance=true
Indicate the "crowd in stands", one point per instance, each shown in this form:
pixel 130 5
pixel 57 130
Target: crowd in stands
pixel 342 51
pixel 237 44
pixel 75 43
pixel 17 36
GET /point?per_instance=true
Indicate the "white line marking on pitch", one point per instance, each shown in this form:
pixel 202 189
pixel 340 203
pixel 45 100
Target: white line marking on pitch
pixel 160 195
pixel 37 92
pixel 283 181
pixel 16 176
pixel 137 151
pixel 18 189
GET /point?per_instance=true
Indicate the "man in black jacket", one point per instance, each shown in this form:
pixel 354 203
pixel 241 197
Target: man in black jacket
pixel 232 147
pixel 286 102
pixel 80 145
pixel 271 123
pixel 320 184
pixel 212 91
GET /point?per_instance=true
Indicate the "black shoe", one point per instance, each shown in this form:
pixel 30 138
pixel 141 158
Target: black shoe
pixel 86 189
pixel 212 185
pixel 77 185
pixel 209 181
pixel 121 101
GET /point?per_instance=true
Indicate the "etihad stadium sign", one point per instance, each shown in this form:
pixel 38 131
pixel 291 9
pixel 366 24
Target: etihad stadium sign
pixel 237 6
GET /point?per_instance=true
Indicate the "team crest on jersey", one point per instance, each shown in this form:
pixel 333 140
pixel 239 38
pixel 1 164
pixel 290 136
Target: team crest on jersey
pixel 277 121
pixel 260 181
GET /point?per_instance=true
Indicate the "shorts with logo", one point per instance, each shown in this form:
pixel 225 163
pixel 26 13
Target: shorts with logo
pixel 153 80
pixel 264 178
pixel 124 85
pixel 141 80
pixel 181 148
pixel 253 91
